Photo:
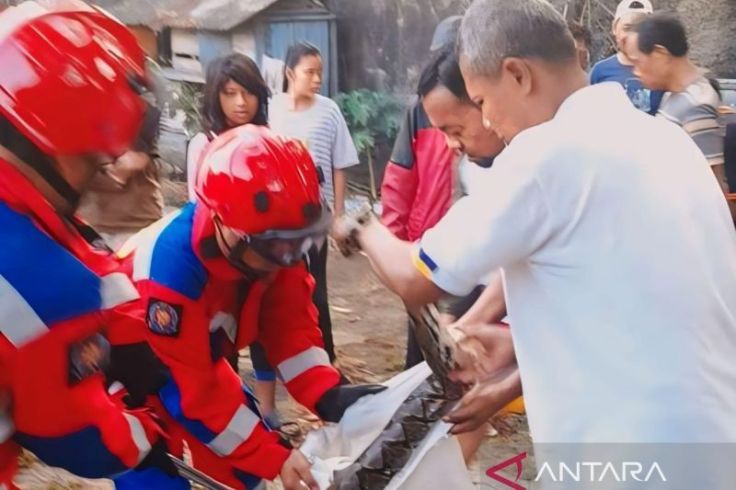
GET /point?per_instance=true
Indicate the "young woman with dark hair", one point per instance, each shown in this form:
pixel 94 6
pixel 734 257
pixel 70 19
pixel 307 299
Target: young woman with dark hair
pixel 235 94
pixel 302 113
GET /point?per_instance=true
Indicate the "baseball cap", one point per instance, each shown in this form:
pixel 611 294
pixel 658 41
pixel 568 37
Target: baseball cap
pixel 446 32
pixel 633 6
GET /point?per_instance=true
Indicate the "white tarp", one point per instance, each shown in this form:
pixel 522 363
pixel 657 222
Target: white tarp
pixel 436 463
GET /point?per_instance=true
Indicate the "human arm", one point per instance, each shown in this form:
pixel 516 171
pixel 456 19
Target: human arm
pixel 178 331
pixel 480 234
pixel 490 306
pixel 292 340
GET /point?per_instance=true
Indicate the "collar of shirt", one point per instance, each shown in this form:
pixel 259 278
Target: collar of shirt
pixel 604 97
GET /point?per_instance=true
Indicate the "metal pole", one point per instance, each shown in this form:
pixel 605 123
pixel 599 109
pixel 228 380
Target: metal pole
pixel 196 476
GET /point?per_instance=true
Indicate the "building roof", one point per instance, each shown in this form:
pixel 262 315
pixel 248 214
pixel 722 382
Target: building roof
pixel 153 13
pixel 215 15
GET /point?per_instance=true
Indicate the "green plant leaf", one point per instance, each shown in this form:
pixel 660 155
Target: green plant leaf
pixel 369 115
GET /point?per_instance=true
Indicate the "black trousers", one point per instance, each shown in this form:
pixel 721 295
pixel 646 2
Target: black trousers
pixel 318 268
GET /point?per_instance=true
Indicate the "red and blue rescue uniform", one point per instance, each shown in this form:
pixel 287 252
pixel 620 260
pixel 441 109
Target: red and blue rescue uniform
pixel 56 295
pixel 195 311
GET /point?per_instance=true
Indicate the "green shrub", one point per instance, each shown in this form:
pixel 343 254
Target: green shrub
pixel 371 116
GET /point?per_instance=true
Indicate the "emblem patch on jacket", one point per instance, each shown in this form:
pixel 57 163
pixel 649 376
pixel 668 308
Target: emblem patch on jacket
pixel 88 357
pixel 163 318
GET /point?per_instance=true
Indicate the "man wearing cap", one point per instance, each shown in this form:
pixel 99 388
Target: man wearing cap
pixel 618 67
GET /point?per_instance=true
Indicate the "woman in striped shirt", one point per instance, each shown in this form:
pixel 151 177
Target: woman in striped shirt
pixel 302 113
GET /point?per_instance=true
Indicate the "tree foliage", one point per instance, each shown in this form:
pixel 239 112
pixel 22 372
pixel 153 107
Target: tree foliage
pixel 370 116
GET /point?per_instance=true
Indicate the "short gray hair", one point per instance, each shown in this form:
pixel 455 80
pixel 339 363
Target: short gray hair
pixel 493 30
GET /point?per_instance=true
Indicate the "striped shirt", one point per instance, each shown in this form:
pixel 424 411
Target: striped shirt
pixel 695 110
pixel 323 129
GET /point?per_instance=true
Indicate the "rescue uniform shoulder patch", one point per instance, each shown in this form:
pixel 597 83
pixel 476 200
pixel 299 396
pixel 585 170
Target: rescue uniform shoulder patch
pixel 163 318
pixel 88 357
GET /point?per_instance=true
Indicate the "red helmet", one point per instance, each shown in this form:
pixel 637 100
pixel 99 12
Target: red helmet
pixel 266 189
pixel 71 80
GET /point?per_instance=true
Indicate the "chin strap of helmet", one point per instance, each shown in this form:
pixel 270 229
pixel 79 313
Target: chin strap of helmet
pixel 20 146
pixel 51 175
pixel 234 255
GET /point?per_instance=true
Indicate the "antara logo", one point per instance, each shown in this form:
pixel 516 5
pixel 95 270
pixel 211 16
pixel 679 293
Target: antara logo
pixel 580 472
pixel 599 471
pixel 517 461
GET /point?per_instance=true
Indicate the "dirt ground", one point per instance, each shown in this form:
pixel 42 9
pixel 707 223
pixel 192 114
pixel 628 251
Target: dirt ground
pixel 370 330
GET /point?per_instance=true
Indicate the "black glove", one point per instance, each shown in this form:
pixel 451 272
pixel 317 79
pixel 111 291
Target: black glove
pixel 157 458
pixel 336 400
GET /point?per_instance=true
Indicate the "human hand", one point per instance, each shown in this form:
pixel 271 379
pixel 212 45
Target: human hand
pixel 481 350
pixel 296 473
pixel 335 401
pixel 346 226
pixel 127 165
pixel 343 233
pixel 484 400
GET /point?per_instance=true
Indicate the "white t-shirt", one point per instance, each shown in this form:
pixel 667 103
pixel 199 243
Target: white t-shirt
pixel 194 152
pixel 619 261
pixel 470 173
pixel 323 129
pixel 273 73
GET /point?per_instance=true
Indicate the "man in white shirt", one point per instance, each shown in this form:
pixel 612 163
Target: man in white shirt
pixel 619 260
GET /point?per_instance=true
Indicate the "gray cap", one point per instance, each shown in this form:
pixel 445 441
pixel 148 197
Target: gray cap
pixel 445 32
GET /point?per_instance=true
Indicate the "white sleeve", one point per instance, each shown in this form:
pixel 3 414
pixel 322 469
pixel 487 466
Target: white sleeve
pixel 504 224
pixel 194 152
pixel 344 154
